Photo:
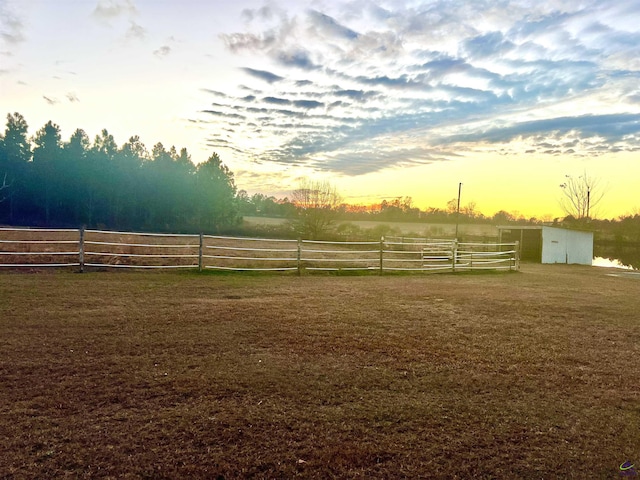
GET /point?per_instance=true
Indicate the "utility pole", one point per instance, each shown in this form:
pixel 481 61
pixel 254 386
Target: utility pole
pixel 458 209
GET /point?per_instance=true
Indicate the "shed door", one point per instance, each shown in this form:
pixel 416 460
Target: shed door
pixel 555 245
pixel 530 242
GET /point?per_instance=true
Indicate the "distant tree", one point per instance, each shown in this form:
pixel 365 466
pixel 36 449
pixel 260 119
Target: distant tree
pixel 245 206
pixel 78 144
pixel 216 206
pixel 436 215
pixel 16 147
pixel 261 204
pixel 159 196
pixel 79 193
pixel 581 196
pixel 316 203
pixel 105 144
pixel 184 160
pixel 628 228
pixel 390 210
pixel 15 154
pixel 47 156
pixel 410 212
pixel 502 217
pixel 469 210
pixel 129 164
pixel 182 187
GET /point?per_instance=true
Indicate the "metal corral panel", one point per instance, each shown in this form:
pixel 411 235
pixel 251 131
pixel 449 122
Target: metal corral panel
pixel 560 245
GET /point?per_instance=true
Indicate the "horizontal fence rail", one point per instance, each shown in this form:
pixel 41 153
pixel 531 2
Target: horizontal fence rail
pixel 104 249
pixel 99 249
pixel 249 254
pixel 39 248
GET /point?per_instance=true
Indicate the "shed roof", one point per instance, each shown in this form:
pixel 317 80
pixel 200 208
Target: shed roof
pixel 540 227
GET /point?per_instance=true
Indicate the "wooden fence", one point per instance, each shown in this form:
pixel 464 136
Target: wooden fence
pixel 98 249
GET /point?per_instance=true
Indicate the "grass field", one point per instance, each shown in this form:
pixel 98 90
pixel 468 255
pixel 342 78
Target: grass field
pixel 183 375
pixel 421 229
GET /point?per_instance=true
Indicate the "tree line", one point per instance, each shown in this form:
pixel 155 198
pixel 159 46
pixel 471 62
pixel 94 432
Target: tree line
pixel 54 183
pixel 399 209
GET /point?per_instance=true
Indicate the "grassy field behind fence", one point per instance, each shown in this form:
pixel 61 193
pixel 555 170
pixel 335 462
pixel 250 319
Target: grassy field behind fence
pixel 185 375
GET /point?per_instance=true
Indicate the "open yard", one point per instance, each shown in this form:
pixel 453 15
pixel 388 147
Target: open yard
pixel 533 374
pixel 421 229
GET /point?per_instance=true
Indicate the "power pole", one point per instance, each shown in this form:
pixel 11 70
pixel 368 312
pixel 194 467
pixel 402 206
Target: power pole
pixel 458 209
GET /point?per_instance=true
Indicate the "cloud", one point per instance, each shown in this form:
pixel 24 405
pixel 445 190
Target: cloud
pixel 163 51
pixel 271 36
pixel 136 31
pixel 296 58
pixel 581 136
pixel 216 113
pixel 358 95
pixel 215 92
pixel 612 127
pixel 403 81
pixel 487 45
pixel 426 81
pixel 247 41
pixel 308 104
pixel 330 26
pixel 361 161
pixel 11 27
pixel 267 12
pixel 107 10
pixel 263 75
pixel 277 101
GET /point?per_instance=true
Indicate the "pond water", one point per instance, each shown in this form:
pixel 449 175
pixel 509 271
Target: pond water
pixel 610 262
pixel 619 256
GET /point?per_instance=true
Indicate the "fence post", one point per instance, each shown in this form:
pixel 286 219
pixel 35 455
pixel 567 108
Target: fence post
pixel 81 250
pixel 201 246
pixel 517 255
pixel 381 253
pixel 454 254
pixel 299 257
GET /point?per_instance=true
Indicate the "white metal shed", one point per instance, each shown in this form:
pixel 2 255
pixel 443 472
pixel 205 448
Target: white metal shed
pixel 550 244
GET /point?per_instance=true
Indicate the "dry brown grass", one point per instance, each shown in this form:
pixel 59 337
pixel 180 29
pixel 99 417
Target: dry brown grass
pixel 183 375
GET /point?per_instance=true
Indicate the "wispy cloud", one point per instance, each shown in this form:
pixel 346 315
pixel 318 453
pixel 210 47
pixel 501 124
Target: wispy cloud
pixel 11 26
pixel 268 77
pixel 355 88
pixel 330 27
pixel 107 10
pixel 136 31
pixel 50 100
pixel 163 51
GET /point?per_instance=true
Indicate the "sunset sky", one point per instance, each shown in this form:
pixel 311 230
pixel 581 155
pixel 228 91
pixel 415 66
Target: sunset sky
pixel 383 98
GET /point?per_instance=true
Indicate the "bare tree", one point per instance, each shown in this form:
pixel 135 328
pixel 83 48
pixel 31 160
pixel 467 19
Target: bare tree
pixel 4 186
pixel 581 195
pixel 317 202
